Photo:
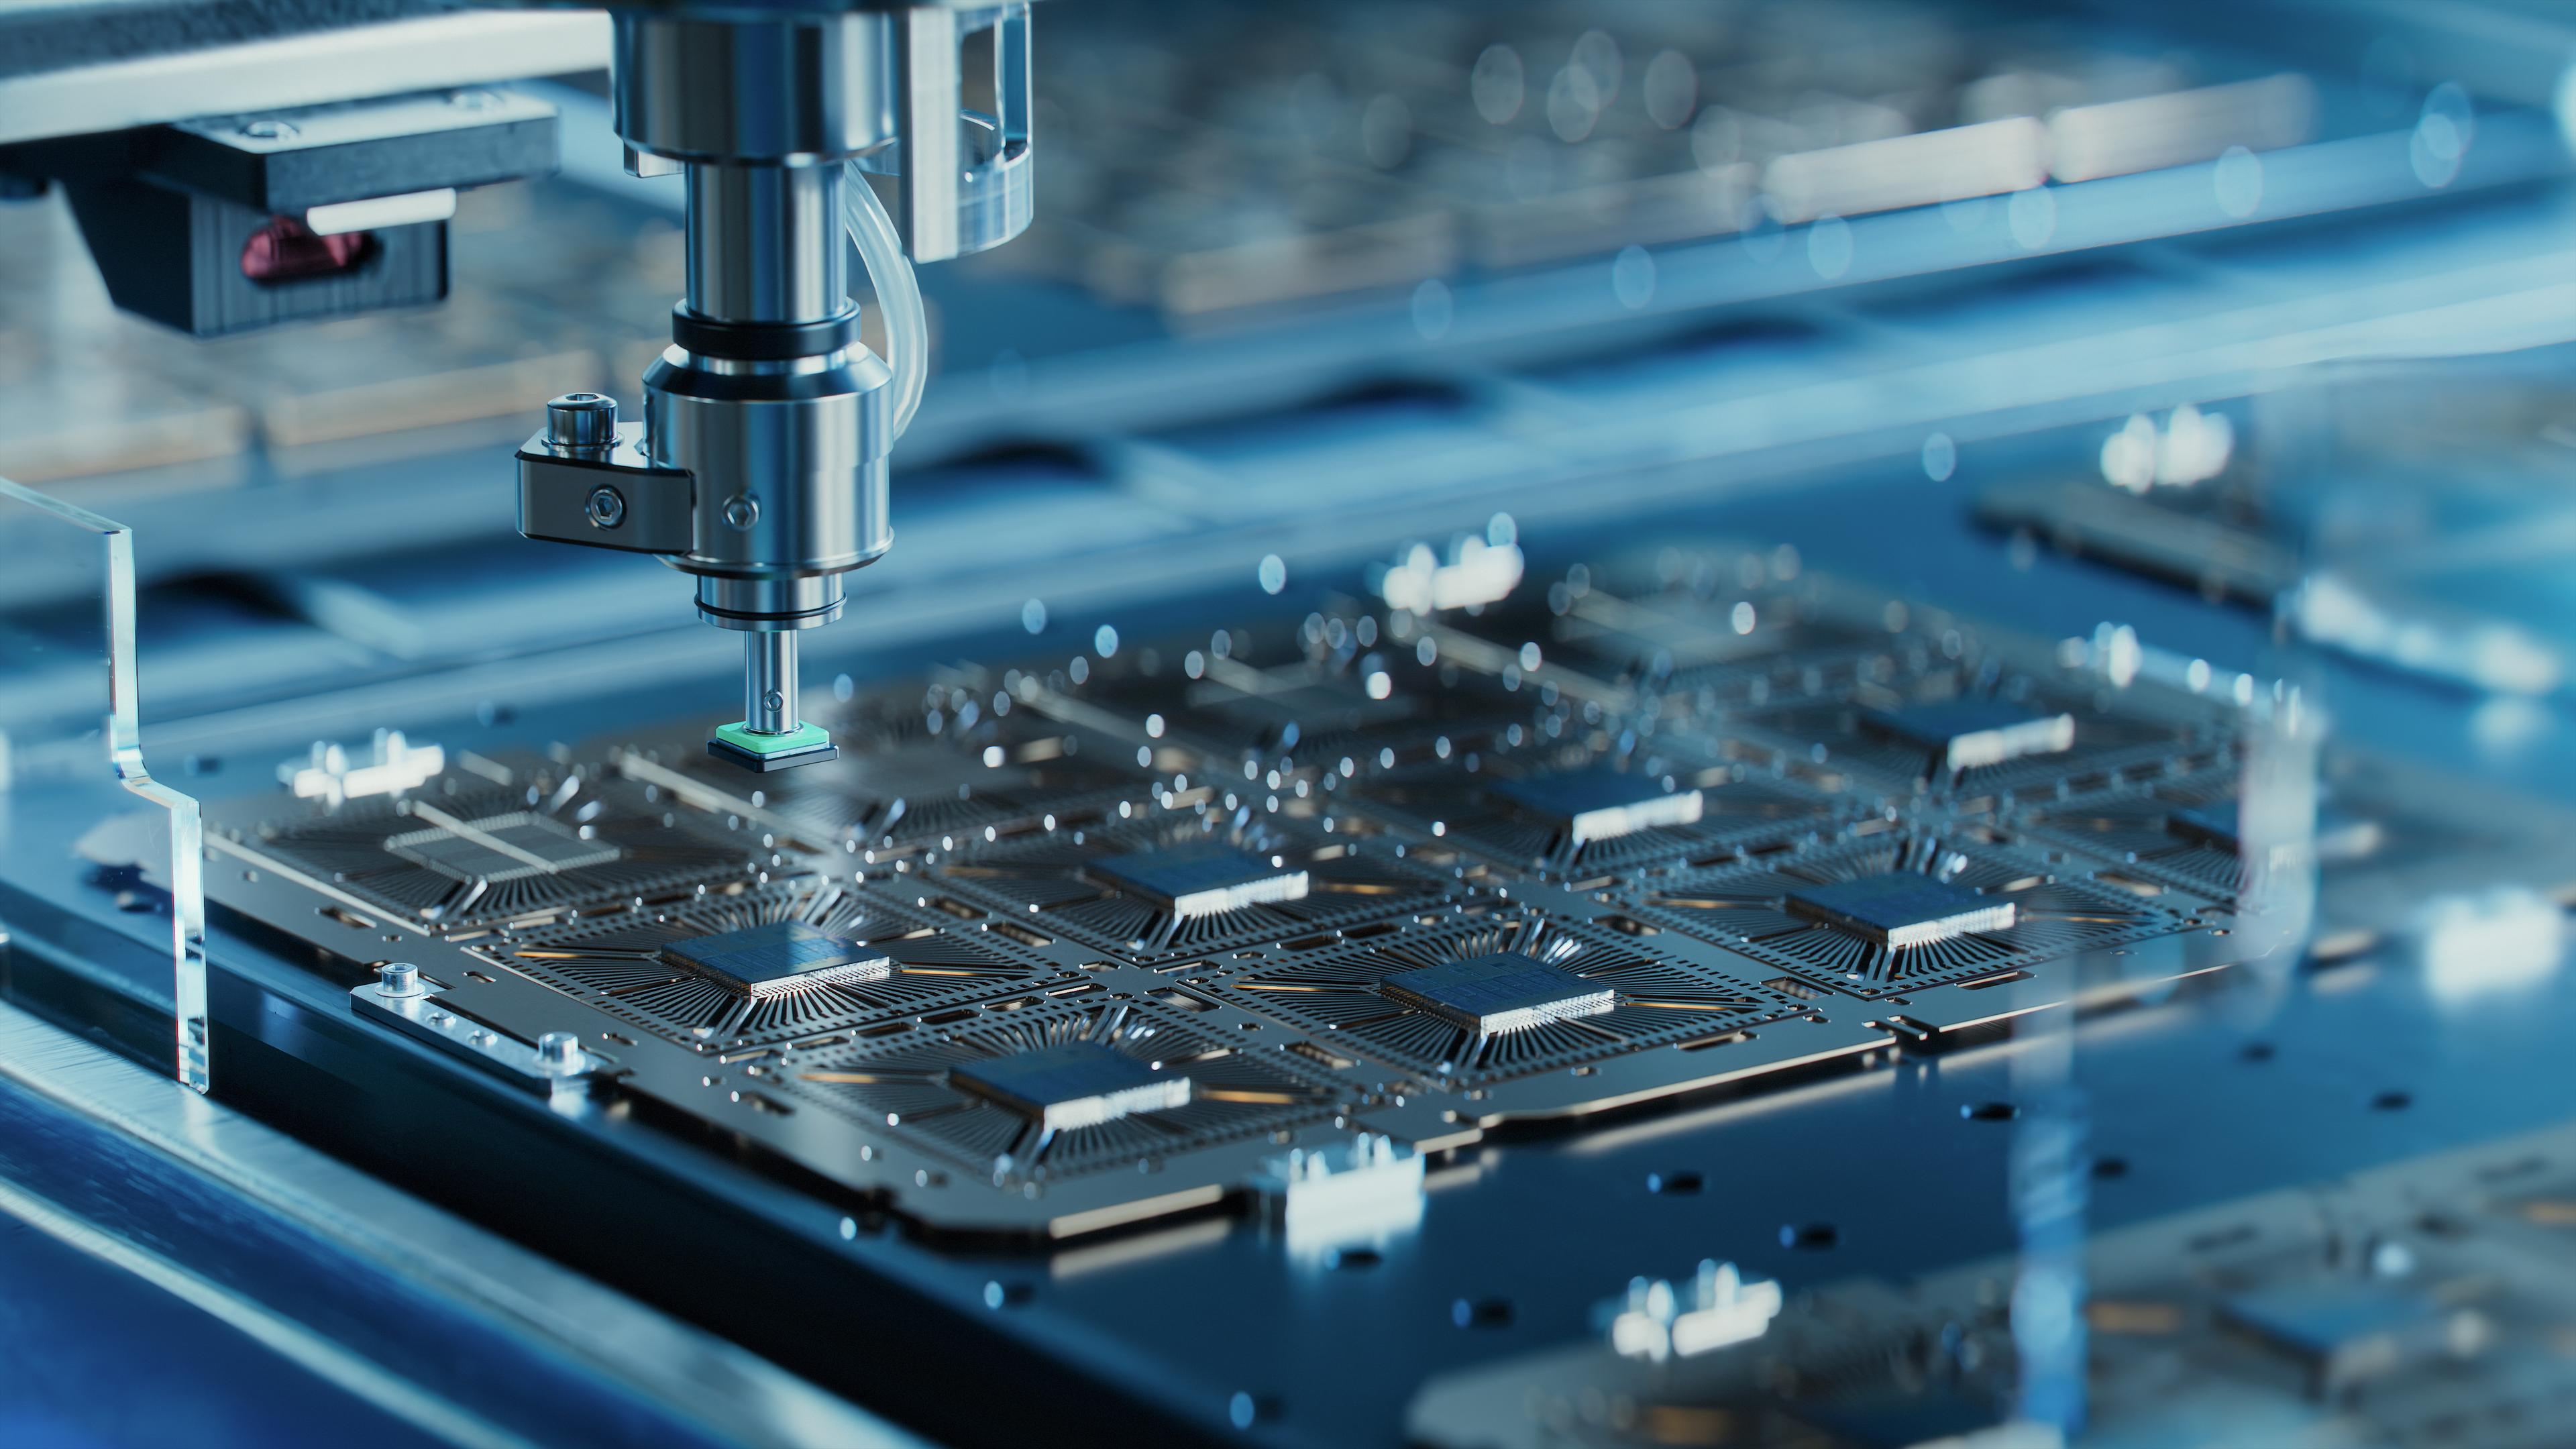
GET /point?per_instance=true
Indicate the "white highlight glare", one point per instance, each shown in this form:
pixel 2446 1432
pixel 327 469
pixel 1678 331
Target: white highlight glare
pixel 2118 656
pixel 1219 900
pixel 1893 172
pixel 339 218
pixel 395 765
pixel 1344 1194
pixel 2333 610
pixel 2192 447
pixel 1655 1324
pixel 1609 822
pixel 2496 941
pixel 1478 572
pixel 2177 128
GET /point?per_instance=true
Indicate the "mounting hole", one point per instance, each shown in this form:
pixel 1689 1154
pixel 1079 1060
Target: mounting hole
pixel 1355 1259
pixel 1481 1312
pixel 2392 1101
pixel 1674 1182
pixel 2110 1169
pixel 1989 1111
pixel 2258 1051
pixel 998 1294
pixel 1245 1410
pixel 1814 1237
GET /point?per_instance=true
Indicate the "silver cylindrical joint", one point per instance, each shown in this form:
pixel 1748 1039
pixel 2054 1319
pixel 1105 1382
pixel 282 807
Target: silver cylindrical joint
pixel 582 420
pixel 559 1051
pixel 769 682
pixel 764 243
pixel 819 87
pixel 790 473
pixel 793 601
pixel 398 978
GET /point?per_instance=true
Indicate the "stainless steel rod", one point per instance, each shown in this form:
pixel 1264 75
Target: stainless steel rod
pixel 769 682
pixel 765 243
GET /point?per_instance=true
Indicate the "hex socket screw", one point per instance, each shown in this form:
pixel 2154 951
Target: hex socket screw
pixel 582 421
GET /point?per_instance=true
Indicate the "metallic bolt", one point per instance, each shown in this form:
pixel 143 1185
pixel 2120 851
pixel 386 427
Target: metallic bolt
pixel 607 506
pixel 473 100
pixel 398 979
pixel 774 701
pixel 582 421
pixel 269 130
pixel 559 1051
pixel 741 512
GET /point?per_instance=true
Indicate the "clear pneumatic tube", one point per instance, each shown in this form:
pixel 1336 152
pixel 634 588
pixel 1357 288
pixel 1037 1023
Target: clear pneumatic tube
pixel 898 294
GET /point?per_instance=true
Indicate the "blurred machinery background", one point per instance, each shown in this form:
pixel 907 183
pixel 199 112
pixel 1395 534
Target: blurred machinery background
pixel 1733 723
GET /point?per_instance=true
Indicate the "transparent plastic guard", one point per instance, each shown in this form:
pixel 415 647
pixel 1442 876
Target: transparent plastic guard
pixel 2258 935
pixel 83 824
pixel 2426 502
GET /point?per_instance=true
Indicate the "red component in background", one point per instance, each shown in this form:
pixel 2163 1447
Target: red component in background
pixel 286 250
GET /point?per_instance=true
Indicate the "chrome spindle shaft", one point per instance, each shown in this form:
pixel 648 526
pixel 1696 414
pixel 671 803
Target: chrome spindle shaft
pixel 769 682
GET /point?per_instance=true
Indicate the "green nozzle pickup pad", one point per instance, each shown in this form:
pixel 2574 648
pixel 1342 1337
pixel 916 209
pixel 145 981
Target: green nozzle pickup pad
pixel 741 736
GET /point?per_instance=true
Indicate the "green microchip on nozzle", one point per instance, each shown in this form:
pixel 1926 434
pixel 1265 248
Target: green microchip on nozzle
pixel 739 744
pixel 743 737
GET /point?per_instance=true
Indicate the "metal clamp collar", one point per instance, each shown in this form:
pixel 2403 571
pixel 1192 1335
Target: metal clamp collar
pixel 763 341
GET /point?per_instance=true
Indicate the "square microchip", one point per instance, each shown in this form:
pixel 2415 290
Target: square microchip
pixel 1195 880
pixel 1072 1084
pixel 2340 835
pixel 1501 992
pixel 497 848
pixel 1900 909
pixel 1970 734
pixel 2344 1333
pixel 1599 803
pixel 768 960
